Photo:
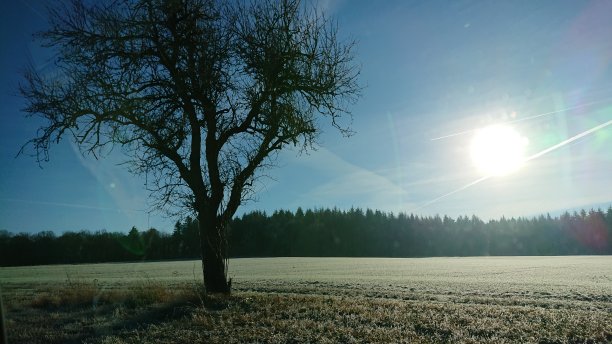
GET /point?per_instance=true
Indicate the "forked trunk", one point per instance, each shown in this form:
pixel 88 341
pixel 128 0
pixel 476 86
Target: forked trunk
pixel 212 243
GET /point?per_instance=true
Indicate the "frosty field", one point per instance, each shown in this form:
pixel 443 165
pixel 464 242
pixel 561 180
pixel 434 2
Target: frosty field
pixel 479 299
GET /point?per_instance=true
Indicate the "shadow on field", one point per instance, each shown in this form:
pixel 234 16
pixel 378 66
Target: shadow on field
pixel 61 317
pixel 78 324
pixel 305 318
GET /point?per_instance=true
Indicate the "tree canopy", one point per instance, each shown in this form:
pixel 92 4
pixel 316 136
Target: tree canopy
pixel 200 94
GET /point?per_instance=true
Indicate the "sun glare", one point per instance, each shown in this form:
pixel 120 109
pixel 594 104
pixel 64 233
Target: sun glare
pixel 498 150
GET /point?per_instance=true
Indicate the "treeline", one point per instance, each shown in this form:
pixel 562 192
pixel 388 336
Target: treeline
pixel 101 246
pixel 327 233
pixel 357 233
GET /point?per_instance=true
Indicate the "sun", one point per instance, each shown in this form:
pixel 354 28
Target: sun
pixel 498 150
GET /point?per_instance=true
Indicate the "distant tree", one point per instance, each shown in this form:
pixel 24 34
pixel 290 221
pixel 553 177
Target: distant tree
pixel 201 94
pixel 133 244
pixel 178 239
pixel 609 227
pixel 44 246
pixel 152 243
pixel 5 247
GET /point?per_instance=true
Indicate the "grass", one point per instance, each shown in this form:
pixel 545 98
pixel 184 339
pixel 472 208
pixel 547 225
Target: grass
pixel 79 293
pixel 476 300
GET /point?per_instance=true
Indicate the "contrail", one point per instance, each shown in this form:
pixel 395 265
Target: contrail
pixel 527 118
pixel 69 205
pixel 35 11
pixel 571 139
pixel 537 155
pixel 452 192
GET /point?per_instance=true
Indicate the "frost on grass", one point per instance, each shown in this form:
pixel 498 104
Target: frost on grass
pixel 294 300
pixel 290 318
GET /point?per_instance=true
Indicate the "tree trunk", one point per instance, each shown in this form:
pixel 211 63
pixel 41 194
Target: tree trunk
pixel 214 253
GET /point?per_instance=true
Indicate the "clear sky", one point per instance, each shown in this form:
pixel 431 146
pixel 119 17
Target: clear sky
pixel 434 72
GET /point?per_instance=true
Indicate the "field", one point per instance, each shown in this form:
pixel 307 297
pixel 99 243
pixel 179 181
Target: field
pixel 322 300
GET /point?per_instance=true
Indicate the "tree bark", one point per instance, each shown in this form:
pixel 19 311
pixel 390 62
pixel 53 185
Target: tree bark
pixel 212 244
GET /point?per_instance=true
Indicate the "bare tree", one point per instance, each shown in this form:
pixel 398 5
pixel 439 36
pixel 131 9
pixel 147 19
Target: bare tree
pixel 200 94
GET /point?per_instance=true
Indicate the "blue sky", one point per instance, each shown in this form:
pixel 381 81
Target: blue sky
pixel 430 69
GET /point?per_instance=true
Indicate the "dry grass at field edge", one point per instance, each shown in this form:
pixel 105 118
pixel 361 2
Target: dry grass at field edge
pixel 151 313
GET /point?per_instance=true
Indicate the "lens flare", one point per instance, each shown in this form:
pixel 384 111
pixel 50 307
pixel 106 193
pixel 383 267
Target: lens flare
pixel 534 156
